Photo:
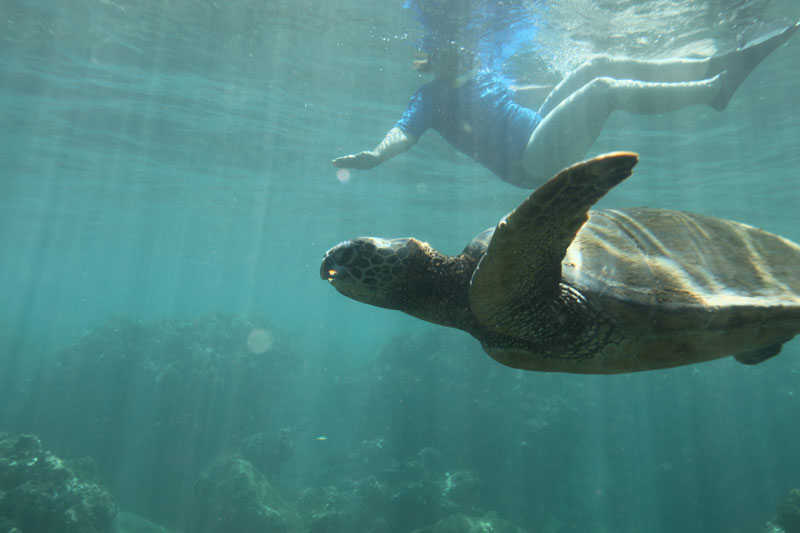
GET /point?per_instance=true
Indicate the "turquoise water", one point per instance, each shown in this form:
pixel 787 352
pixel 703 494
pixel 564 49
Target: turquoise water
pixel 169 161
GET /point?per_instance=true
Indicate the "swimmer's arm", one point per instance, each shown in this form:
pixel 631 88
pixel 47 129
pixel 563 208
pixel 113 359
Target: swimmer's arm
pixel 396 142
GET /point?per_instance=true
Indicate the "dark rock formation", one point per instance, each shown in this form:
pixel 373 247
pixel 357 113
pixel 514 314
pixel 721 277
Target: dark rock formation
pixel 267 451
pixel 233 495
pixel 470 524
pixel 131 523
pixel 44 494
pixel 788 518
pixel 396 496
pixel 789 512
pixel 433 407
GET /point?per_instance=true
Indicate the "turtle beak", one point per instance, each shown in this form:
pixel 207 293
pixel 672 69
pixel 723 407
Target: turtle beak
pixel 328 269
pixel 332 267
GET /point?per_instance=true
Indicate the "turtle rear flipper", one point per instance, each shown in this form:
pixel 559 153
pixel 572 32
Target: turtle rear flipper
pixel 522 264
pixel 759 356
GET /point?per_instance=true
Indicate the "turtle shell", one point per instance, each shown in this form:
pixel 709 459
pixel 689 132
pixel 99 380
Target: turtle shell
pixel 686 283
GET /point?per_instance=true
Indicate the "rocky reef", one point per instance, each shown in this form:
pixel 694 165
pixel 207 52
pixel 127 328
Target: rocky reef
pixel 393 495
pixel 41 493
pixel 470 524
pixel 429 411
pixel 233 495
pixel 787 520
pixel 194 421
pixel 131 523
pixel 155 402
pixel 222 423
pixel 381 494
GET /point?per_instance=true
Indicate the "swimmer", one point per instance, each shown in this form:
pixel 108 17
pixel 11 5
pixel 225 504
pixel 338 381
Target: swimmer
pixel 478 113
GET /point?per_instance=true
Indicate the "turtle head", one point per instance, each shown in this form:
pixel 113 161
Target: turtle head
pixel 373 270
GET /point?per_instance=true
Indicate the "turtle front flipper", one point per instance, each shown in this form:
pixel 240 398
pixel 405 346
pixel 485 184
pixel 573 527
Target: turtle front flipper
pixel 522 265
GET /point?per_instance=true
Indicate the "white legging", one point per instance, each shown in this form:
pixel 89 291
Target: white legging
pixel 576 110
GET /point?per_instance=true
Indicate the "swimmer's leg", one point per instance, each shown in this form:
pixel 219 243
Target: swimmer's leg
pixel 567 133
pixel 736 66
pixel 668 70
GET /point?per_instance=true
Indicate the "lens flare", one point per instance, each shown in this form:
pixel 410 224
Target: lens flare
pixel 343 175
pixel 259 341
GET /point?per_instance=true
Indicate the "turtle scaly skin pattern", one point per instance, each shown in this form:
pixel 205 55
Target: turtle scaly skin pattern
pixel 434 288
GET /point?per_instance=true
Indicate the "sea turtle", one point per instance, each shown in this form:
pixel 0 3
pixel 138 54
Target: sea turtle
pixel 556 287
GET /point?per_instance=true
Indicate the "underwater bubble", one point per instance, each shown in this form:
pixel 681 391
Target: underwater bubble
pixel 343 175
pixel 259 341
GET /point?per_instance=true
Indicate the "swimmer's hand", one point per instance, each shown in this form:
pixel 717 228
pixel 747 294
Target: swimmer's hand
pixel 395 142
pixel 361 161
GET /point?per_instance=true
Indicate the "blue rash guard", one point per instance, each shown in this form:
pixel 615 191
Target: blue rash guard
pixel 479 118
